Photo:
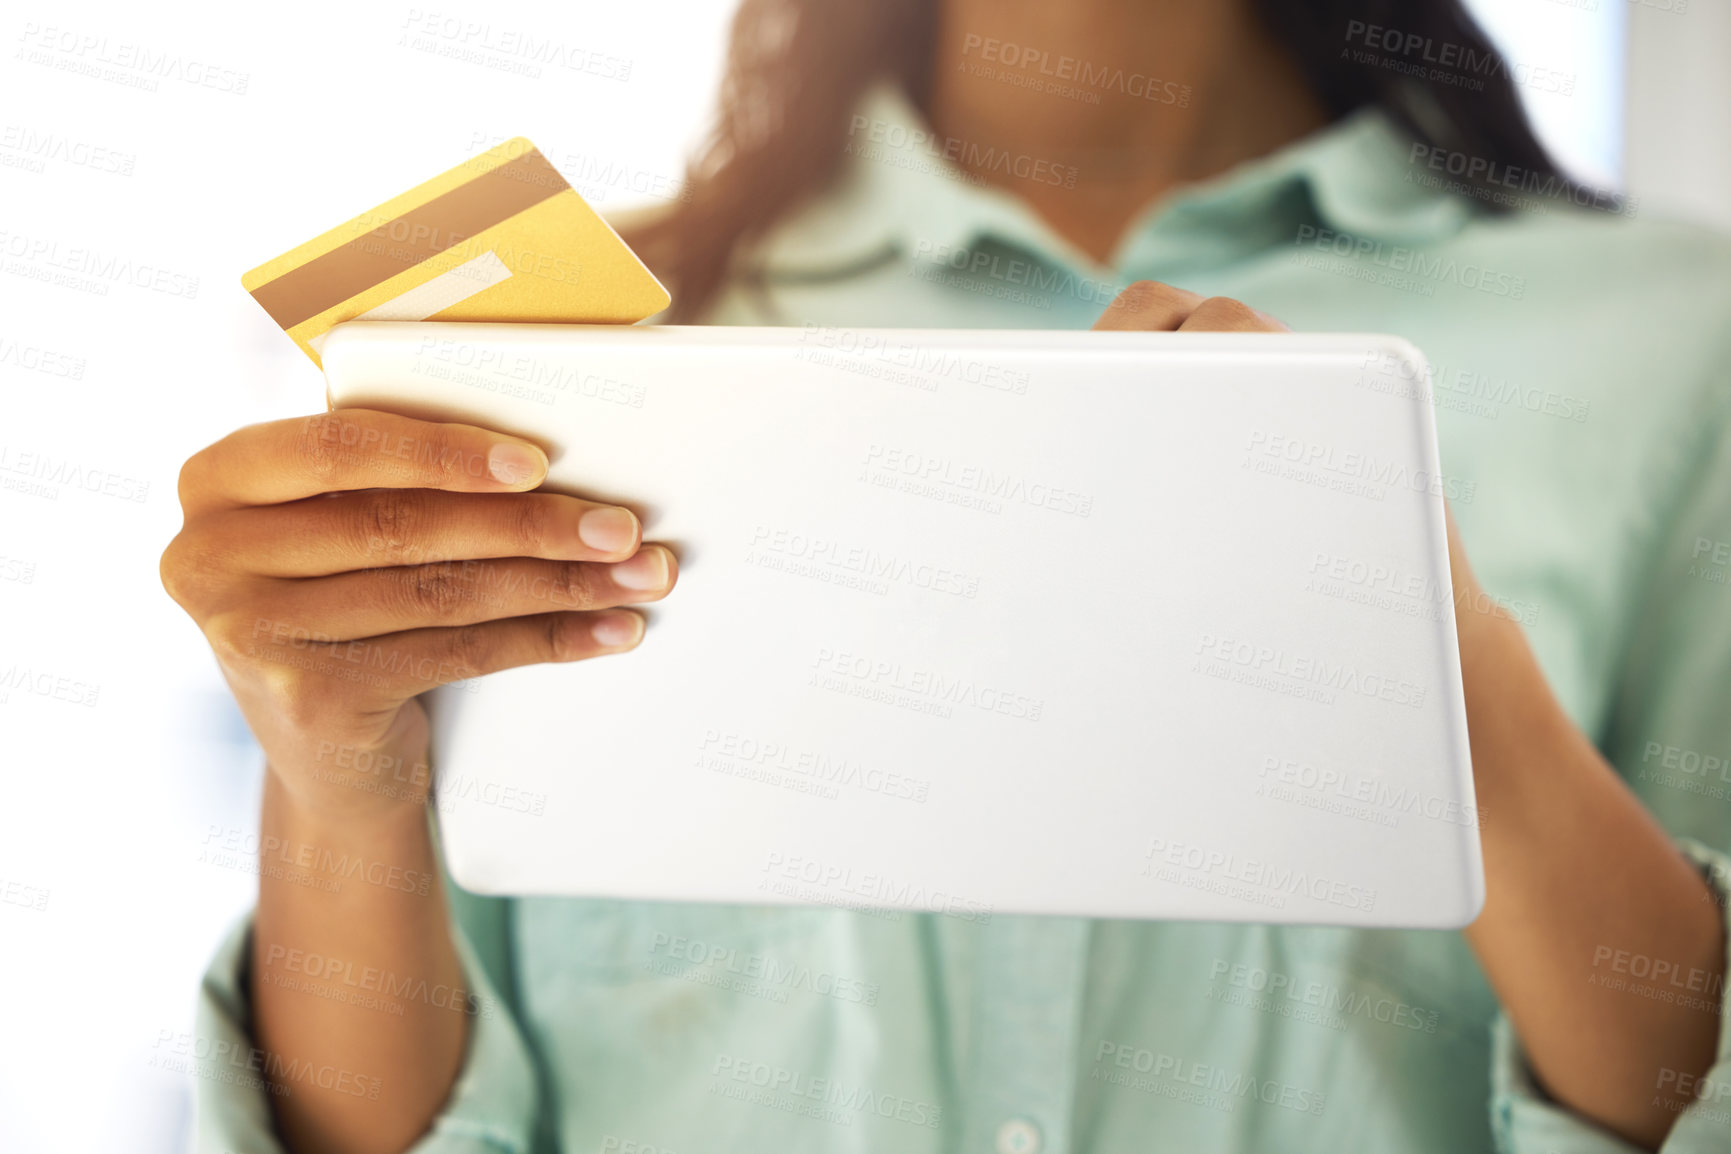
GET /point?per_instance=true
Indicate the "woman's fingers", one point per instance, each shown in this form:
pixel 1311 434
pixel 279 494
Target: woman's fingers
pixel 318 677
pixel 384 527
pixel 342 564
pixel 379 601
pixel 1149 306
pixel 355 449
pixel 1225 315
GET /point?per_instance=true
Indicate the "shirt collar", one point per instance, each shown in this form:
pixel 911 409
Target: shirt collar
pixel 898 191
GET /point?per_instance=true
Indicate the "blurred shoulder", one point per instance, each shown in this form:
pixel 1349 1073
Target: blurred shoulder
pixel 1628 253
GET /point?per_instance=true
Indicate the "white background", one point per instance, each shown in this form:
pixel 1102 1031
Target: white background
pixel 109 806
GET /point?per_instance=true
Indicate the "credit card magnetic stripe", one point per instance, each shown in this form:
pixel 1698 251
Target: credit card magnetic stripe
pixel 495 196
pixel 502 237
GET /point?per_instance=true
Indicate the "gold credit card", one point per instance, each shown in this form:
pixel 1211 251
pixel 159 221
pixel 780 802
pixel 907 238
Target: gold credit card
pixel 501 237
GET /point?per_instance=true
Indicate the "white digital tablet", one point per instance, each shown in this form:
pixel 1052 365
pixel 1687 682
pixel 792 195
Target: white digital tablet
pixel 1129 625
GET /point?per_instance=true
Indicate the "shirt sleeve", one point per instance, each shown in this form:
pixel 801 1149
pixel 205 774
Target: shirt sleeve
pixel 491 1110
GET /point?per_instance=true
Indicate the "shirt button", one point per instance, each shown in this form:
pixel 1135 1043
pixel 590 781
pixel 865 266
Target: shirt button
pixel 1018 1136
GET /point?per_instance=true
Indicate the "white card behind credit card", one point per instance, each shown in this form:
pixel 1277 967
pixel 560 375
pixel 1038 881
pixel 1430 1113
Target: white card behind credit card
pixel 1110 624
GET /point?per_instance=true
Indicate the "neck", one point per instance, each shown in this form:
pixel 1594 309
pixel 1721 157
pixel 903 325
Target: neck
pixel 1112 103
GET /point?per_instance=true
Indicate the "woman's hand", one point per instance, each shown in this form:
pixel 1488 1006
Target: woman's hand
pixel 342 564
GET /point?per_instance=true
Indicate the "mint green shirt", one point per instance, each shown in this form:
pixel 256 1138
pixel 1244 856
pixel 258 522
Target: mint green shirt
pixel 1581 366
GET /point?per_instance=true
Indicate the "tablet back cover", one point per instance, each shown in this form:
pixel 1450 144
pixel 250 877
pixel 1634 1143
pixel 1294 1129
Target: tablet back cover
pixel 1112 624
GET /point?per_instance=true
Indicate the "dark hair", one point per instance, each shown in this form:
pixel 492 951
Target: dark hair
pixel 1467 106
pixel 796 69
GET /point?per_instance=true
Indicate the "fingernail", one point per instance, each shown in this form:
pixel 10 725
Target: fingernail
pixel 608 530
pixel 617 630
pixel 512 462
pixel 646 571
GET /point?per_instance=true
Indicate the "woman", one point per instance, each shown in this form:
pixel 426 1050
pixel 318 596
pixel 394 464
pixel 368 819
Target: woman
pixel 1344 166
